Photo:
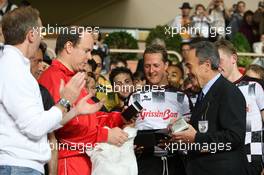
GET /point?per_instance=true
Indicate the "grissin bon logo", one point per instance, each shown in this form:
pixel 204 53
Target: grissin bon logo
pixel 165 115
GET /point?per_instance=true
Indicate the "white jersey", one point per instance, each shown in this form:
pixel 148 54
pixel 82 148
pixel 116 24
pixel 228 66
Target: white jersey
pixel 159 107
pixel 254 96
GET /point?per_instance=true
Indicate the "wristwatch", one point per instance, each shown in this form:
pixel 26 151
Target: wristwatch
pixel 65 103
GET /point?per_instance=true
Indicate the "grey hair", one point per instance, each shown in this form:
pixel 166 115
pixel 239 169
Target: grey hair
pixel 206 50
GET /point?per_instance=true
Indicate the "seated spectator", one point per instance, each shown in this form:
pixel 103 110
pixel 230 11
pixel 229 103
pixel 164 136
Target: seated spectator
pixel 259 17
pixel 219 16
pixel 237 18
pixel 258 47
pixel 121 79
pixel 182 22
pixel 200 22
pixel 248 28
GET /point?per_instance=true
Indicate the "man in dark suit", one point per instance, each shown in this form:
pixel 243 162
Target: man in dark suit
pixel 216 133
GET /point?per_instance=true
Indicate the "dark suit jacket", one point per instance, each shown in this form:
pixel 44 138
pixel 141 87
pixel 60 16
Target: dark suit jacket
pixel 226 115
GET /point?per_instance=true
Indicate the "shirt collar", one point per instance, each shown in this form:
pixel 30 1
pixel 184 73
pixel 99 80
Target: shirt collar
pixel 26 61
pixel 209 84
pixel 63 68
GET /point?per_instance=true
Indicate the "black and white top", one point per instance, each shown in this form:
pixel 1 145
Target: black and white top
pixel 159 107
pixel 254 95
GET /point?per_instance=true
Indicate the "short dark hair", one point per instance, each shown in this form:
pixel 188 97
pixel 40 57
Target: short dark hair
pixel 92 63
pixel 200 5
pixel 155 48
pixel 139 75
pixel 17 23
pixel 116 60
pixel 43 47
pixel 247 13
pixel 241 2
pixel 119 70
pixel 206 50
pixel 179 66
pixel 99 53
pixel 67 36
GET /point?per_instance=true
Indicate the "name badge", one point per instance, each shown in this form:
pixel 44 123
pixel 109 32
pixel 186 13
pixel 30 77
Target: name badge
pixel 203 126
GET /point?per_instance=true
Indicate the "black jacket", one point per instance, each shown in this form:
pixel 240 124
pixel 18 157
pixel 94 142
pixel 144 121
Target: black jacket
pixel 225 109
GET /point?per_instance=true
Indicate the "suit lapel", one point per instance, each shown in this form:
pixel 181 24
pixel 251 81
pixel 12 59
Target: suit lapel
pixel 200 108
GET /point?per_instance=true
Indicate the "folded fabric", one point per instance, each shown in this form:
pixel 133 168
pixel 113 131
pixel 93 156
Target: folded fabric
pixel 112 160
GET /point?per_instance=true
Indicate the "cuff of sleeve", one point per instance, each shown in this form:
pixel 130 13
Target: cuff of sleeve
pixel 102 135
pixel 57 115
pixel 117 118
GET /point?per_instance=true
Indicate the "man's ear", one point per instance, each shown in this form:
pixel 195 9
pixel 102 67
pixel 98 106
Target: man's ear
pixel 166 66
pixel 31 36
pixel 234 58
pixel 208 65
pixel 68 46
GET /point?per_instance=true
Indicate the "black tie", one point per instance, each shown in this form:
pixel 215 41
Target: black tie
pixel 200 97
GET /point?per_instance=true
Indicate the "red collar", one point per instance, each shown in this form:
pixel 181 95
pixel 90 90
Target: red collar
pixel 63 68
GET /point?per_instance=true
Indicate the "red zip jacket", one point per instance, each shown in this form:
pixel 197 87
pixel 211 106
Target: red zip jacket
pixel 82 131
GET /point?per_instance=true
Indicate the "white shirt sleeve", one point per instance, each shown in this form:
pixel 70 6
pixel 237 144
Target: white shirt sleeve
pixel 260 96
pixel 22 101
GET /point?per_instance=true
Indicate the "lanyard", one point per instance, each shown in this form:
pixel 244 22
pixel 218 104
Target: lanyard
pixel 204 116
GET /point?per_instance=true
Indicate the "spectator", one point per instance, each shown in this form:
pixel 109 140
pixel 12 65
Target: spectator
pixel 102 48
pixel 185 48
pixel 24 123
pixel 103 85
pixel 139 79
pixel 182 22
pixel 248 28
pixel 91 83
pixel 121 79
pixel 255 71
pixel 73 50
pixel 237 18
pixel 175 75
pixel 201 22
pixel 258 47
pixel 219 16
pixel 253 93
pixel 259 17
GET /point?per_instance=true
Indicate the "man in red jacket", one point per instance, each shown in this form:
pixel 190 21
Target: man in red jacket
pixel 73 50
